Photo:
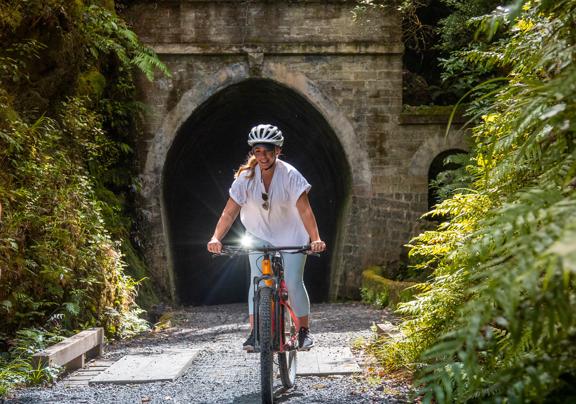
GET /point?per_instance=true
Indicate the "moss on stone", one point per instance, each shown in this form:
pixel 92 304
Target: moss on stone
pixel 383 291
pixel 107 4
pixel 91 84
pixel 429 109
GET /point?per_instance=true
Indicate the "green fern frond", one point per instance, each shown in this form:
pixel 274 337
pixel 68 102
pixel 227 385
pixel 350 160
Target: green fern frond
pixel 148 62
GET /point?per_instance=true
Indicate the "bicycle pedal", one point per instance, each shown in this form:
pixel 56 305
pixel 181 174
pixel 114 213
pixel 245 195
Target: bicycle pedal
pixel 289 347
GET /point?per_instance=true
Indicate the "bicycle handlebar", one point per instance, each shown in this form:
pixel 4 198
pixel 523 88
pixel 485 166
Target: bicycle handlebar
pixel 229 249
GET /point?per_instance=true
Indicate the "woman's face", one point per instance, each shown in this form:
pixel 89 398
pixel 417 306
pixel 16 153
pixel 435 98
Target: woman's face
pixel 265 156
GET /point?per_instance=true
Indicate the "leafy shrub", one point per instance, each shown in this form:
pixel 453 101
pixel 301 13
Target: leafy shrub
pixel 379 299
pixel 67 119
pixel 15 365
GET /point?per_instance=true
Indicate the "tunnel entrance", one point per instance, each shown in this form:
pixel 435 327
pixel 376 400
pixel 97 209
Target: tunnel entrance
pixel 199 171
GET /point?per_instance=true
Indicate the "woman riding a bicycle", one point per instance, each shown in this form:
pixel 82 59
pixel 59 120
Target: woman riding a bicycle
pixel 271 197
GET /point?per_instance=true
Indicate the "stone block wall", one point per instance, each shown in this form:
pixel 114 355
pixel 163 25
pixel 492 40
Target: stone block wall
pixel 211 24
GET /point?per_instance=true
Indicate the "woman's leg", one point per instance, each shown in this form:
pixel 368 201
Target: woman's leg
pixel 255 266
pixel 298 297
pixel 297 294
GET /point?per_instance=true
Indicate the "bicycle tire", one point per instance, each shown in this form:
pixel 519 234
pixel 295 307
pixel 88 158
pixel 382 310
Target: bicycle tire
pixel 287 361
pixel 265 314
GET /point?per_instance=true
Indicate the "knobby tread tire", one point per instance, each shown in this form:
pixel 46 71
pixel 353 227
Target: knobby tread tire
pixel 266 353
pixel 287 361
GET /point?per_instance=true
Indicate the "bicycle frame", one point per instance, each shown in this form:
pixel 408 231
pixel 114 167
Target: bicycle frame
pixel 270 289
pixel 273 278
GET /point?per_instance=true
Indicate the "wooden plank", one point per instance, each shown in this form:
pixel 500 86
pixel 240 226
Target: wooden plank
pixel 83 372
pixel 104 364
pixel 80 378
pixel 72 349
pixel 76 384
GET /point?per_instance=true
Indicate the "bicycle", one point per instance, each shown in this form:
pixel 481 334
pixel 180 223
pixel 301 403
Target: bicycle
pixel 274 320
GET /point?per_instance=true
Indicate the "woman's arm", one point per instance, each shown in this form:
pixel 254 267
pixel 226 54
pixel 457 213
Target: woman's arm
pixel 229 214
pixel 305 210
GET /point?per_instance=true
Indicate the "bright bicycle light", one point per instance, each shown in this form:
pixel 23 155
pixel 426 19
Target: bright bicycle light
pixel 246 241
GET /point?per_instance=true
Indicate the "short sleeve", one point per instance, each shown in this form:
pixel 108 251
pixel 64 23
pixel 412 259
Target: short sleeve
pixel 298 185
pixel 238 191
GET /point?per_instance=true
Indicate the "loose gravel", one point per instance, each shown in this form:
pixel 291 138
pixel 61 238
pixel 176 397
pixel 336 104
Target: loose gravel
pixel 223 373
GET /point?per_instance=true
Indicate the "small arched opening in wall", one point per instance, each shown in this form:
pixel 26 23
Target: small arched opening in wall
pixel 437 166
pixel 199 169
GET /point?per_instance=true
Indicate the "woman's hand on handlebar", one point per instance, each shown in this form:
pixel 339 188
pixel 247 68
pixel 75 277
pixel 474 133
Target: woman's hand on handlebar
pixel 214 246
pixel 317 246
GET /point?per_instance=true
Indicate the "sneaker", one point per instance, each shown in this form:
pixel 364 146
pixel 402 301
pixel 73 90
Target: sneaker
pixel 305 340
pixel 249 343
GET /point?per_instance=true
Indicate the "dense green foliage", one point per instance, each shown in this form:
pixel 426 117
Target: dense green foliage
pixel 16 368
pixel 497 322
pixel 66 174
pixel 434 33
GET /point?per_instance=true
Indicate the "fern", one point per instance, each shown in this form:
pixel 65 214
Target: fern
pixel 105 33
pixel 497 321
pixel 148 62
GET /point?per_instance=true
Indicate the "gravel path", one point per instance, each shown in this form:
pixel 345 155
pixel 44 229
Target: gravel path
pixel 223 373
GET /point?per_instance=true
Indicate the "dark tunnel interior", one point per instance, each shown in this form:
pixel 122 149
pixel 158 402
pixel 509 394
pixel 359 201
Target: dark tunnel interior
pixel 438 166
pixel 199 170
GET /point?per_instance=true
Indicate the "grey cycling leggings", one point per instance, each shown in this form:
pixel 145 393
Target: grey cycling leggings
pixel 293 275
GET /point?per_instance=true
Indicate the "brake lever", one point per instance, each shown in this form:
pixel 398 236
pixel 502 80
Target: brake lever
pixel 228 254
pixel 315 254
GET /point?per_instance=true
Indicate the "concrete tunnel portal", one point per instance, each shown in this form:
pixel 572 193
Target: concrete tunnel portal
pixel 199 170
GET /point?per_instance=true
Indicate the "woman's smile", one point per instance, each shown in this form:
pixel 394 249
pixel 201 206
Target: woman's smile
pixel 266 163
pixel 264 156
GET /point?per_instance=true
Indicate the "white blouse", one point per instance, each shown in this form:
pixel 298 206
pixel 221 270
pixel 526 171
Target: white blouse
pixel 281 224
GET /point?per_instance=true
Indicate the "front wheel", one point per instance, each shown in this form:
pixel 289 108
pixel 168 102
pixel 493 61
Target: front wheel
pixel 287 360
pixel 265 314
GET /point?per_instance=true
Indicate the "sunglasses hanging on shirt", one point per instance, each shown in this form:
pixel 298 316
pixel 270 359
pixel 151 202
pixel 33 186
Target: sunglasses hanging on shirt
pixel 266 204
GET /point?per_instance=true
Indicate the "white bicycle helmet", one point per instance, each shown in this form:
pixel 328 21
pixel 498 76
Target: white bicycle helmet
pixel 266 134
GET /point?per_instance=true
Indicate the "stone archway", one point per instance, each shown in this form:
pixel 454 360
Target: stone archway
pixel 357 157
pixel 432 147
pixel 153 173
pixel 198 171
